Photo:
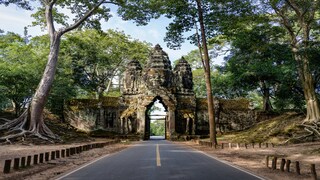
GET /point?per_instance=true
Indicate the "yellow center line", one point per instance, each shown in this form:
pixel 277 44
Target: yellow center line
pixel 158 156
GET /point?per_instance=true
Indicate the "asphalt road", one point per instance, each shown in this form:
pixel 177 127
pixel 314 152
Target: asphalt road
pixel 158 159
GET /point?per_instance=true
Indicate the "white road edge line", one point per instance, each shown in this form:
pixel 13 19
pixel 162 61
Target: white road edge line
pixel 228 163
pixel 65 175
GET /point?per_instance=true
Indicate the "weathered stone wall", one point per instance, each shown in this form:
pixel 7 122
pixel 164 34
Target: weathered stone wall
pixel 91 114
pixel 230 115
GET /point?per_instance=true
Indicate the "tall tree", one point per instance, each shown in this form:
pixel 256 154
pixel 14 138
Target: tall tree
pixel 300 20
pixel 86 14
pixel 257 59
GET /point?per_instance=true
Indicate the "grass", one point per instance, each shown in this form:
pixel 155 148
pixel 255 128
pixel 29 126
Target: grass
pixel 276 130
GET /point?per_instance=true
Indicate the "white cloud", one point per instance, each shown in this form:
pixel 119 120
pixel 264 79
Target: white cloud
pixel 12 19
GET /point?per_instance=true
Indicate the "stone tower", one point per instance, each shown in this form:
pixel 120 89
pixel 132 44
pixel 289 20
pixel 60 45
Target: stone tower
pixel 157 81
pixel 132 78
pixel 158 71
pixel 183 77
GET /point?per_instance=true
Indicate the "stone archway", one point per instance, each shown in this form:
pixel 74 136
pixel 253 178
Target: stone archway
pixel 148 118
pixel 144 104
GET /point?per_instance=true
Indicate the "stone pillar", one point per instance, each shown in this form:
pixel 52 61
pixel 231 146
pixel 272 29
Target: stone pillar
pixel 187 125
pixel 121 125
pixel 172 121
pixel 141 119
pixel 193 126
pixel 125 125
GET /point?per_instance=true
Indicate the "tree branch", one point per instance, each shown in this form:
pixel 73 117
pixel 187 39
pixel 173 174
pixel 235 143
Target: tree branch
pixel 287 25
pixel 86 16
pixel 295 7
pixel 49 18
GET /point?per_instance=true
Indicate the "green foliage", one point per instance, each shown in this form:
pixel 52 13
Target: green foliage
pixel 19 70
pixel 157 128
pixel 259 60
pixel 98 57
pixel 21 66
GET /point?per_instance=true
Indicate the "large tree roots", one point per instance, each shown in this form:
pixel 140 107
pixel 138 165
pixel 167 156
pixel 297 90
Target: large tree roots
pixel 21 128
pixel 311 133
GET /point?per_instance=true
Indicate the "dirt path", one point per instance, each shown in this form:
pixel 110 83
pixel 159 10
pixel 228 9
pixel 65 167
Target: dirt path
pixel 254 159
pixel 52 168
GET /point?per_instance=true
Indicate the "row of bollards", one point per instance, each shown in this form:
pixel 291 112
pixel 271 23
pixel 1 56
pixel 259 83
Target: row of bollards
pixel 285 165
pixel 235 145
pixel 23 162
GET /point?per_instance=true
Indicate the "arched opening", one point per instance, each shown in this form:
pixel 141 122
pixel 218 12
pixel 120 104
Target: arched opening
pixel 156 120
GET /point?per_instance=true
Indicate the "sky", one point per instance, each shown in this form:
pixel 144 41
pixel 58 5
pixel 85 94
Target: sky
pixel 14 19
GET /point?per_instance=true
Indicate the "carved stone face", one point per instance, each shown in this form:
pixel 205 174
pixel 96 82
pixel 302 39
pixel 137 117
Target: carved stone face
pixel 183 75
pixel 158 72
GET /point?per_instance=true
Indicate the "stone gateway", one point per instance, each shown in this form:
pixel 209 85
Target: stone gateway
pixel 158 81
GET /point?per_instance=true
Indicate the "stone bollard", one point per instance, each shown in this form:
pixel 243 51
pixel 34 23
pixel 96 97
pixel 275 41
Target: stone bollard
pixel 16 163
pixel 274 162
pixel 230 145
pixel 35 159
pixel 238 145
pixel 72 151
pixel 283 162
pixel 313 171
pixel 298 167
pixel 53 155
pixel 67 152
pixel 7 166
pixel 46 156
pixel 41 158
pixel 57 154
pixel 23 162
pixel 288 165
pixel 63 153
pixel 28 160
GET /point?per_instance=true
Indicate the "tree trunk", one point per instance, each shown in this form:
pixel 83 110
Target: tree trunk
pixel 266 97
pixel 40 97
pixel 212 124
pixel 31 122
pixel 312 102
